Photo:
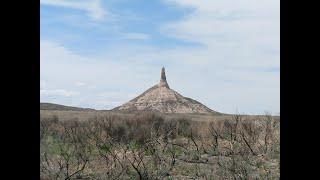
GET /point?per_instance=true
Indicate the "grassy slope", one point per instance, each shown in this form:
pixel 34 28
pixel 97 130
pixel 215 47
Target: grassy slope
pixel 51 106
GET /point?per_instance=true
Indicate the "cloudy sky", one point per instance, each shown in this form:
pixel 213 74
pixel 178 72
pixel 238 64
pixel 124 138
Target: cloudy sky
pixel 102 53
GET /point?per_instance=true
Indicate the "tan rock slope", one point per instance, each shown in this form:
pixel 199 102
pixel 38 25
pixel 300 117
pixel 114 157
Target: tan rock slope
pixel 163 99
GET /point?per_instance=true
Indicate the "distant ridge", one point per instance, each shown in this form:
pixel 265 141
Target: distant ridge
pixel 162 98
pixel 58 107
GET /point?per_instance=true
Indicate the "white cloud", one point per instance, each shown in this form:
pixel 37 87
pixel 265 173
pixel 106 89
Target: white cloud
pixel 227 6
pixel 109 82
pixel 58 92
pixel 64 66
pixel 110 99
pixel 93 8
pixel 42 84
pixel 242 33
pixel 80 84
pixel 136 36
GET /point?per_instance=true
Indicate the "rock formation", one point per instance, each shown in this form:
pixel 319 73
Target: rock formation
pixel 163 99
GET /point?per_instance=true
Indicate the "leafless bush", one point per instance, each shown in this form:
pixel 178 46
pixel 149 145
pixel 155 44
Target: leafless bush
pixel 68 151
pixel 149 146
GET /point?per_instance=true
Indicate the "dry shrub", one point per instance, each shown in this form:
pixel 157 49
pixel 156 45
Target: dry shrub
pixel 149 146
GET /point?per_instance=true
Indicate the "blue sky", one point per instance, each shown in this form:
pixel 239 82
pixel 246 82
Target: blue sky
pixel 100 54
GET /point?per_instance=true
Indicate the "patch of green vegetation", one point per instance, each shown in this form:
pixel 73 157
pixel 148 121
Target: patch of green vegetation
pixel 183 127
pixel 259 164
pixel 177 150
pixel 213 152
pixel 106 148
pixel 134 145
pixel 174 150
pixel 149 152
pixel 53 146
pixel 132 175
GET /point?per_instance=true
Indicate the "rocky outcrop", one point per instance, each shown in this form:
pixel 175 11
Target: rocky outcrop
pixel 163 79
pixel 163 99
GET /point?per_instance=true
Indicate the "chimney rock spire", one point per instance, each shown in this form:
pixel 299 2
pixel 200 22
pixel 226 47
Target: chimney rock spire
pixel 163 74
pixel 160 98
pixel 163 79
